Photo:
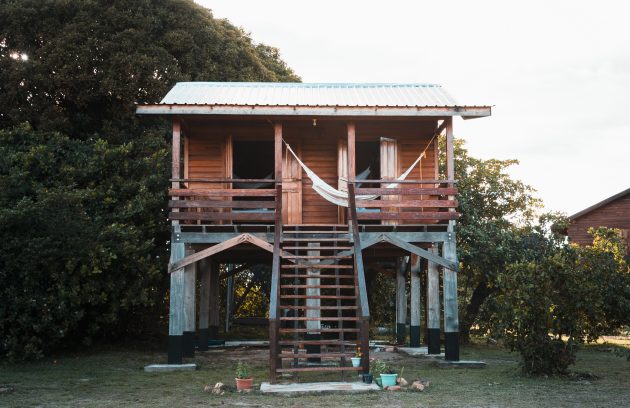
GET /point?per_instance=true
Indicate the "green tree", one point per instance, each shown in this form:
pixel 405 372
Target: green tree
pixel 549 307
pixel 83 183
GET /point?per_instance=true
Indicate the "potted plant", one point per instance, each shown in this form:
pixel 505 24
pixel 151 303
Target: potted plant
pixel 356 360
pixel 385 376
pixel 244 381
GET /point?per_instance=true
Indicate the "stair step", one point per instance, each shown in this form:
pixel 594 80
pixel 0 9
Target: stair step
pixel 319 248
pixel 315 232
pixel 290 356
pixel 293 307
pixel 320 319
pixel 317 286
pixel 318 276
pixel 317 256
pixel 338 330
pixel 349 343
pixel 315 368
pixel 284 239
pixel 317 297
pixel 316 266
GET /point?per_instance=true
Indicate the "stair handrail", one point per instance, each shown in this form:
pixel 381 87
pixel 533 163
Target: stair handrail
pixel 364 308
pixel 274 295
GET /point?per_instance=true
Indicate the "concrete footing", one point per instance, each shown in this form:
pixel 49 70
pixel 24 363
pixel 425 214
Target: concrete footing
pixel 460 364
pixel 165 368
pixel 324 387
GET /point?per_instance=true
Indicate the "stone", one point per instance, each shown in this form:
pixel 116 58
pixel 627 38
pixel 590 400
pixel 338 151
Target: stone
pixel 417 386
pixel 207 388
pixel 218 388
pixel 6 389
pixel 393 388
pixel 402 382
pixel 158 368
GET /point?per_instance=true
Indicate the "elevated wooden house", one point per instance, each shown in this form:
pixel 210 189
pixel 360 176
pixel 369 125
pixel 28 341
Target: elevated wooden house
pixel 613 212
pixel 320 181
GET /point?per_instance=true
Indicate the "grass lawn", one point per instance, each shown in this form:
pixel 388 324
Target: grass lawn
pixel 114 378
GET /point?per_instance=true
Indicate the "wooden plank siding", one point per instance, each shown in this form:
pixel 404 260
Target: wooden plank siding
pixel 207 145
pixel 615 214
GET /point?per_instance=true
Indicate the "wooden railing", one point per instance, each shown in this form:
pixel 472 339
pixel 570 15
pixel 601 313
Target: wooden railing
pixel 215 202
pixel 363 311
pixel 408 200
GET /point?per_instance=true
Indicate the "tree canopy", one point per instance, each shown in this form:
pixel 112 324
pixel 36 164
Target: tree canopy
pixel 82 180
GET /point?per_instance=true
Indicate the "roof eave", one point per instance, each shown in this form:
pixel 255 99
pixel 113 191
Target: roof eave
pixel 468 112
pixel 599 204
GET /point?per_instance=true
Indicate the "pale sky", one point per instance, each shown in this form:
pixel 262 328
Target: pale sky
pixel 557 74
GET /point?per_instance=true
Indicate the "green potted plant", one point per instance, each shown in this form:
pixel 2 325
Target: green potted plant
pixel 384 375
pixel 356 360
pixel 244 380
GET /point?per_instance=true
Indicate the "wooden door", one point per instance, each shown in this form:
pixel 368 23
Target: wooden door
pixel 389 170
pixel 342 172
pixel 291 186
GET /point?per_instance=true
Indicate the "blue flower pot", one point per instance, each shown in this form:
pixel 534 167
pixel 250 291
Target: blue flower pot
pixel 388 379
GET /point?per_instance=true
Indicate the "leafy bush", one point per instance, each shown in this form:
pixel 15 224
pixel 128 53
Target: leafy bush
pixel 551 306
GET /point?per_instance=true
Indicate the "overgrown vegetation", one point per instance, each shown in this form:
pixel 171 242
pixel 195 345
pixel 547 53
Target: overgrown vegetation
pixel 82 180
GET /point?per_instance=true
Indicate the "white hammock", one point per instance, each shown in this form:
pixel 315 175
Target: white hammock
pixel 338 197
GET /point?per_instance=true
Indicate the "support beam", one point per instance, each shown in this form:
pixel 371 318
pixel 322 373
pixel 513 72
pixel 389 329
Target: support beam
pixel 205 279
pixel 229 298
pixel 451 318
pixel 401 300
pixel 414 324
pixel 176 307
pixel 420 252
pixel 315 312
pixel 277 139
pixel 190 309
pixel 433 308
pixel 213 323
pixel 352 157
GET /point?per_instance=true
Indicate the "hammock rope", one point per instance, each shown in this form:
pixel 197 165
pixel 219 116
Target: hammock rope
pixel 338 197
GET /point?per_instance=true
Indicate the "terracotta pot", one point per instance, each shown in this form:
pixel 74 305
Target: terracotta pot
pixel 244 383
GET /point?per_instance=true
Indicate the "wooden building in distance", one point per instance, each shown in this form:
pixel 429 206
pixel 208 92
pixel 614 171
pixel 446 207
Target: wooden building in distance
pixel 613 212
pixel 300 176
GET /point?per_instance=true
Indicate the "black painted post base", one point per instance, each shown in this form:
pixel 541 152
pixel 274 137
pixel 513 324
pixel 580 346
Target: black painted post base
pixel 433 341
pixel 188 344
pixel 175 349
pixel 401 333
pixel 451 346
pixel 202 339
pixel 414 336
pixel 313 348
pixel 213 332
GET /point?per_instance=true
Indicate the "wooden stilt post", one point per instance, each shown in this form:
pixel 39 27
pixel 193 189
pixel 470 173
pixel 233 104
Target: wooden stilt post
pixel 401 300
pixel 433 305
pixel 213 321
pixel 190 309
pixel 229 298
pixel 414 325
pixel 205 270
pixel 176 307
pixel 449 249
pixel 315 312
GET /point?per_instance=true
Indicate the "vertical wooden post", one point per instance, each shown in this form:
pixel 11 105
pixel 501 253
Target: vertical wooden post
pixel 401 300
pixel 190 309
pixel 352 157
pixel 205 280
pixel 414 325
pixel 313 307
pixel 449 249
pixel 433 302
pixel 176 307
pixel 229 298
pixel 213 324
pixel 277 139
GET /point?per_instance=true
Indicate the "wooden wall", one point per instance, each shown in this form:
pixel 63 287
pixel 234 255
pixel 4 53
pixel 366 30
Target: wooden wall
pixel 615 214
pixel 207 146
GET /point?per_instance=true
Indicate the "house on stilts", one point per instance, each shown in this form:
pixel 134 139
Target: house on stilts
pixel 321 181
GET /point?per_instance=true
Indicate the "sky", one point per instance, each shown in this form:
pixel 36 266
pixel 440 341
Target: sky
pixel 557 74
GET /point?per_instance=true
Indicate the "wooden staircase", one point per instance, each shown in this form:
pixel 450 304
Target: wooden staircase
pixel 319 324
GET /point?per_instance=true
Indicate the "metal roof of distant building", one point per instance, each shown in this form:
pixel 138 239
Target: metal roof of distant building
pixel 270 97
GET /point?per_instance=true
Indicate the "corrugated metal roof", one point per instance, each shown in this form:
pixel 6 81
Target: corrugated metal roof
pixel 600 204
pixel 308 94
